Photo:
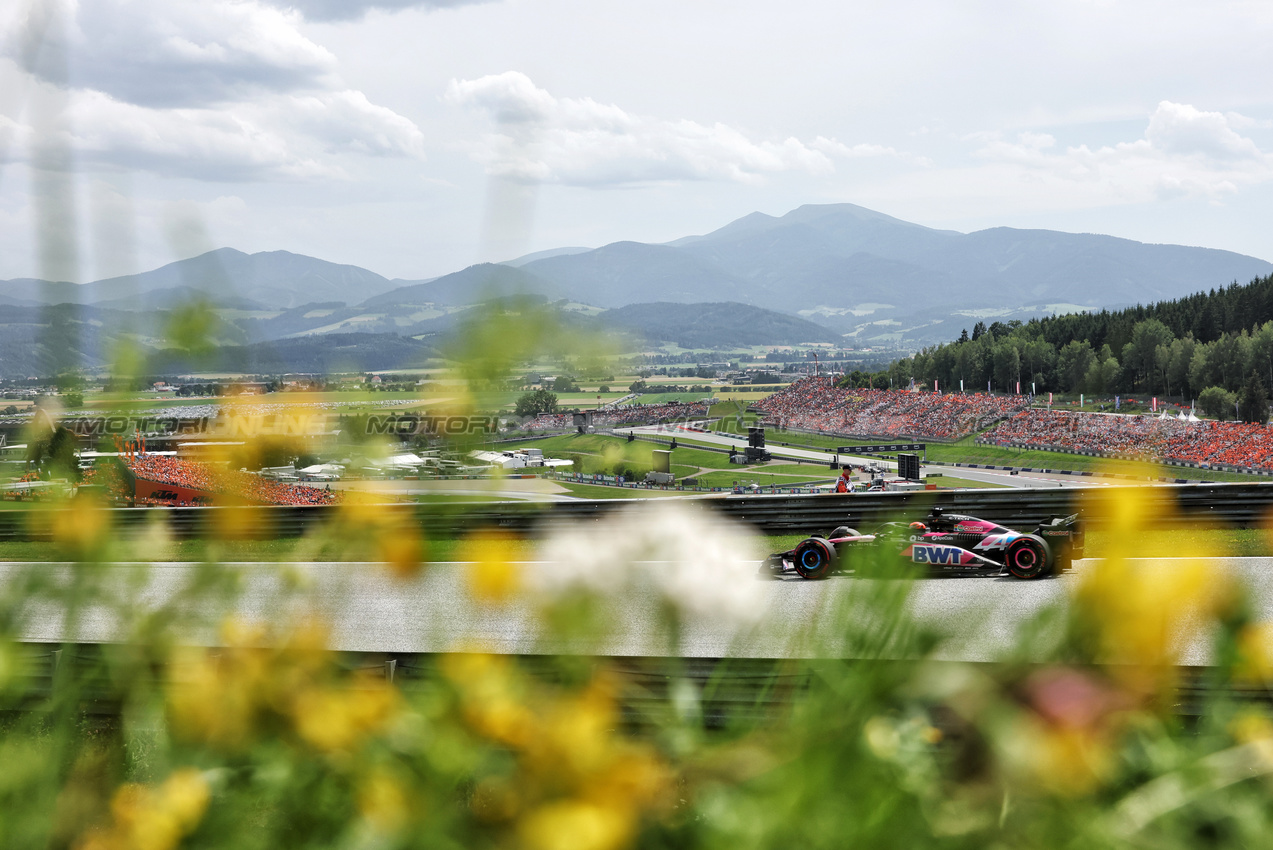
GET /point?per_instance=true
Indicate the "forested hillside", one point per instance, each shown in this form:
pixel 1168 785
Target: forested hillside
pixel 1179 347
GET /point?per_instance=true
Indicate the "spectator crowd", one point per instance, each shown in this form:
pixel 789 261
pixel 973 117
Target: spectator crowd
pixel 622 417
pixel 1166 439
pixel 164 469
pixel 816 404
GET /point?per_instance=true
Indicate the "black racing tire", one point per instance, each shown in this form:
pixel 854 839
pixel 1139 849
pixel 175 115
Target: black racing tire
pixel 1028 558
pixel 843 531
pixel 814 558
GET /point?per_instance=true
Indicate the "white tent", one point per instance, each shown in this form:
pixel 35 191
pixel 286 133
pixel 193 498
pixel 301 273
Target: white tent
pixel 323 469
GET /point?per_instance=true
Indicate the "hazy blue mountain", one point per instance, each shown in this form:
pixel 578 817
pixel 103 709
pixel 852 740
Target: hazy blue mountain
pixel 542 255
pixel 715 325
pixel 277 279
pixel 468 286
pixel 631 272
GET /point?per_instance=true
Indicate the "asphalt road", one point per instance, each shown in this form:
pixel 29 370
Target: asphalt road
pixel 370 611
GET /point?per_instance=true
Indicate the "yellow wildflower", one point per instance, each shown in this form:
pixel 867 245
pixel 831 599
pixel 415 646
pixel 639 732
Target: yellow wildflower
pixel 577 825
pixel 492 577
pixel 146 818
pixel 1255 653
pixel 383 801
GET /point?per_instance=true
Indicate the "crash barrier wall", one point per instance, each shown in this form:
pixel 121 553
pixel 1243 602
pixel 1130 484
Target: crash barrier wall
pixel 1216 503
pixel 729 690
pixel 1184 464
pixel 1082 473
pixel 682 444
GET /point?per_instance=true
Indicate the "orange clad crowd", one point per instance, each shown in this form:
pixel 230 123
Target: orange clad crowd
pixel 816 404
pixel 164 469
pixel 1166 439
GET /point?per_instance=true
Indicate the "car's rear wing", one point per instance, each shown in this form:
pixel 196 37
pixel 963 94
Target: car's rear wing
pixel 1069 528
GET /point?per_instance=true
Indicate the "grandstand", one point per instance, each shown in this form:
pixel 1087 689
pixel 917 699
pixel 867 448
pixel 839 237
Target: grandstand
pixel 817 405
pixel 1161 438
pixel 166 480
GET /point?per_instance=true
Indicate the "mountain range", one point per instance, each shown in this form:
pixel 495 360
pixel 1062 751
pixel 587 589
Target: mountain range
pixel 835 273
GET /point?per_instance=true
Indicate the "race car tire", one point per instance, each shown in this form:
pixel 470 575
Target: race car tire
pixel 1028 557
pixel 843 531
pixel 814 558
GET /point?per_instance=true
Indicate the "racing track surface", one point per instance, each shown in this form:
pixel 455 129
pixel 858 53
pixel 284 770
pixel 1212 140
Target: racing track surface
pixel 372 612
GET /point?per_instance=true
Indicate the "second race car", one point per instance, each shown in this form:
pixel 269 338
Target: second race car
pixel 946 543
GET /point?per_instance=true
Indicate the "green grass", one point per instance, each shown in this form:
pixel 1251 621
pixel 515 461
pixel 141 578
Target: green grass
pixel 745 475
pixel 607 450
pixel 602 491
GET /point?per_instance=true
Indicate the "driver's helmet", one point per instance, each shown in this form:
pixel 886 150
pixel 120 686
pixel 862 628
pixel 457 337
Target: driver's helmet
pixel 918 526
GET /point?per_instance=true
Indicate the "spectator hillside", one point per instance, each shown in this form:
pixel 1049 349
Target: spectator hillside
pixel 1165 439
pixel 198 476
pixel 816 404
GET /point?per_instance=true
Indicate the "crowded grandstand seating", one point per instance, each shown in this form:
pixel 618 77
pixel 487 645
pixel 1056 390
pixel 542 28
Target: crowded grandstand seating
pixel 198 476
pixel 622 417
pixel 1166 439
pixel 815 404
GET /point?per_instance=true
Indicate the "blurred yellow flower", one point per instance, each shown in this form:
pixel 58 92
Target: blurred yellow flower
pixel 146 818
pixel 386 533
pixel 576 825
pixel 578 782
pixel 230 697
pixel 80 528
pixel 383 801
pixel 492 576
pixel 339 718
pixel 1255 653
pixel 1138 613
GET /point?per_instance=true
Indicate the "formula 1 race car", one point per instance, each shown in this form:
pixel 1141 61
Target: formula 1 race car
pixel 947 543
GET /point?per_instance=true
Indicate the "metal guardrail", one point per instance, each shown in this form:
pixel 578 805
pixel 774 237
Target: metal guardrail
pixel 730 690
pixel 1238 504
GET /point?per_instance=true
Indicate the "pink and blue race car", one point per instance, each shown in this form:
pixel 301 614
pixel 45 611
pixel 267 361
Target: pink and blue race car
pixel 945 543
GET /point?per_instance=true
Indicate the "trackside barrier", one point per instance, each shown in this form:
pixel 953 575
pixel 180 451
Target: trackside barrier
pixel 1134 456
pixel 1218 503
pixel 731 690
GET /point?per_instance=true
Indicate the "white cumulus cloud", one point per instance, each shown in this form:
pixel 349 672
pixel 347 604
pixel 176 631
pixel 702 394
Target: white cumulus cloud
pixel 1178 128
pixel 168 52
pixel 1184 152
pixel 578 141
pixel 222 90
pixel 350 10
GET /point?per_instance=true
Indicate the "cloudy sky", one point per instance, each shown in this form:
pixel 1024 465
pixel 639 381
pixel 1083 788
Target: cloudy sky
pixel 416 137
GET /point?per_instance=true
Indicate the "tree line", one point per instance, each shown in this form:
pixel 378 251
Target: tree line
pixel 1218 339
